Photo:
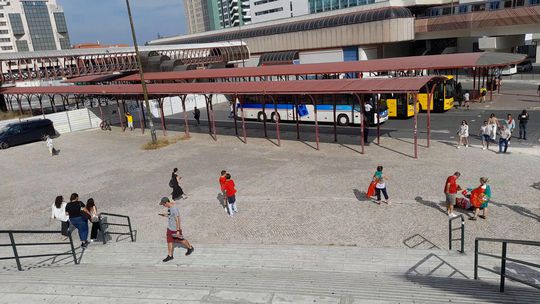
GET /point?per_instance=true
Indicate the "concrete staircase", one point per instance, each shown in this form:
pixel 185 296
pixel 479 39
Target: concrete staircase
pixel 133 273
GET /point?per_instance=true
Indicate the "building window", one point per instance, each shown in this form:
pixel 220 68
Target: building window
pixel 270 11
pixel 7 48
pixel 493 6
pixel 16 24
pixel 22 46
pixel 39 25
pixel 534 2
pixel 263 2
pixel 4 32
pixel 5 39
pixel 65 43
pixel 60 21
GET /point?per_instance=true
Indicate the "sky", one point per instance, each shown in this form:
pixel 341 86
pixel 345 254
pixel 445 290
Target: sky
pixel 106 21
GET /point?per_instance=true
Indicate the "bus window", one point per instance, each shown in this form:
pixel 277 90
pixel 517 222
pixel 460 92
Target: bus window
pixel 449 88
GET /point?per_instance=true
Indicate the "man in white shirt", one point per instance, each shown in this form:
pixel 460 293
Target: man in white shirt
pixel 503 140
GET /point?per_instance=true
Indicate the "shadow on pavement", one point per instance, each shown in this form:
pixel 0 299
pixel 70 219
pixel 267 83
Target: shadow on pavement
pixel 419 242
pixel 437 206
pixel 519 210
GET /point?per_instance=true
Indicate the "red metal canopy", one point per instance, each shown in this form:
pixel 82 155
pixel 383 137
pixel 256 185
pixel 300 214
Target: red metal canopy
pixel 331 86
pixel 432 62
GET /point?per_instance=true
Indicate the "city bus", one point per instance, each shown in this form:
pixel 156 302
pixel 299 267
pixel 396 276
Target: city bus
pixel 443 96
pixel 347 109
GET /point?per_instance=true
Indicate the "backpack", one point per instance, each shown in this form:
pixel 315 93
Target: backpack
pixel 171 183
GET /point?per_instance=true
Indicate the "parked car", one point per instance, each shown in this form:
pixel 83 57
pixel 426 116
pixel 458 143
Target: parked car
pixel 24 132
pixel 525 66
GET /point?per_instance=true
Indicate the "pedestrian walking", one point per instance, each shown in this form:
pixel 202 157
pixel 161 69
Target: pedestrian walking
pixel 510 123
pixel 484 134
pixel 231 109
pixel 504 137
pixel 174 183
pixel 93 216
pixel 197 115
pixel 230 191
pixel 174 230
pixel 59 213
pixel 493 124
pixel 480 198
pixel 463 134
pixel 368 107
pixel 451 188
pixel 538 90
pixel 75 213
pixel 222 181
pixel 380 179
pixel 129 119
pixel 50 145
pixel 466 98
pixel 523 120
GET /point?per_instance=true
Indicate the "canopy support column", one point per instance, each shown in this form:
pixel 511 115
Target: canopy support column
pixel 120 115
pixel 430 101
pixel 40 99
pixel 208 114
pixel 263 101
pixel 212 117
pixel 162 114
pixel 243 119
pixel 276 119
pixel 378 118
pixel 362 121
pixel 183 99
pixel 492 79
pixel 143 113
pixel 100 112
pixel 29 100
pixel 415 125
pixel 235 110
pixel 473 84
pixel 314 101
pixel 335 118
pixel 296 117
pixel 141 120
pixel 18 98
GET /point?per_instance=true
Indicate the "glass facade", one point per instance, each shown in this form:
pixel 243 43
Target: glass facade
pixel 16 24
pixel 317 6
pixel 22 46
pixel 39 25
pixel 65 43
pixel 60 21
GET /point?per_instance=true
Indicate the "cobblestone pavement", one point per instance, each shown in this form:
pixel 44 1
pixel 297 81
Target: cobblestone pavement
pixel 288 195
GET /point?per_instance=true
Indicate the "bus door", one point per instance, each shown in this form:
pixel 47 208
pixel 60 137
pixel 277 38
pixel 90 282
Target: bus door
pixel 438 98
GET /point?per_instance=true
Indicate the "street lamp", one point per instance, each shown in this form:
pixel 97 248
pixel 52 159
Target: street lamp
pixel 141 73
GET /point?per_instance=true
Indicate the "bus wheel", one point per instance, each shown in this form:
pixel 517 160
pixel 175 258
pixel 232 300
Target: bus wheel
pixel 275 117
pixel 261 116
pixel 343 120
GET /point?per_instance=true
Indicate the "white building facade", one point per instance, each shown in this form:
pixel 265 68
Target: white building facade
pixel 267 10
pixel 36 25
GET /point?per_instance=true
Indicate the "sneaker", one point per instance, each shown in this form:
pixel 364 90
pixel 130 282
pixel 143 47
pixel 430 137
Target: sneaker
pixel 457 147
pixel 168 258
pixel 466 146
pixel 190 250
pixel 484 148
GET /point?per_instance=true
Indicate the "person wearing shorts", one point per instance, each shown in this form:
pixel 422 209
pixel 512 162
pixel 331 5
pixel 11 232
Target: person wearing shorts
pixel 230 191
pixel 484 133
pixel 450 190
pixel 174 231
pixel 129 118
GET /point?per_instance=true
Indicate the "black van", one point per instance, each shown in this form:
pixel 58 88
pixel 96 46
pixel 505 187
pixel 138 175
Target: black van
pixel 25 132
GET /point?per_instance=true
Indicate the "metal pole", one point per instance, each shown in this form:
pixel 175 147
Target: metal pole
pixel 335 122
pixel 476 259
pixel 214 132
pixel 102 231
pixel 503 267
pixel 276 118
pixel 235 98
pixel 141 73
pixel 243 121
pixel 362 121
pixel 160 101
pixel 415 125
pixel 208 114
pixel 140 115
pixel 263 99
pixel 430 102
pixel 314 101
pixel 450 234
pixel 73 249
pixel 15 254
pixel 119 115
pixel 183 98
pixel 130 229
pixel 462 234
pixel 297 117
pixel 378 119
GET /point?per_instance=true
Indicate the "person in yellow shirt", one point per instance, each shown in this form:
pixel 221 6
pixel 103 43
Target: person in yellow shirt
pixel 129 118
pixel 483 93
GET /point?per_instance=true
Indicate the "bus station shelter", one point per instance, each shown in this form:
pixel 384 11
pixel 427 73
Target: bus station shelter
pixel 309 88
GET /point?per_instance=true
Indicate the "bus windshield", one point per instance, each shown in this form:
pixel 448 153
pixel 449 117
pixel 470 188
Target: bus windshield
pixel 449 84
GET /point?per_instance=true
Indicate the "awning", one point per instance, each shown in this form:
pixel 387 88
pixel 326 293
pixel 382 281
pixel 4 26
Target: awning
pixel 434 62
pixel 332 86
pixel 94 78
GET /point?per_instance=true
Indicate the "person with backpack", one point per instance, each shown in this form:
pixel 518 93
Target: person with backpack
pixel 174 183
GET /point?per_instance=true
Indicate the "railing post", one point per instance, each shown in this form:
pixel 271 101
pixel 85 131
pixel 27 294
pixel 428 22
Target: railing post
pixel 476 259
pixel 130 231
pixel 503 267
pixel 450 234
pixel 102 230
pixel 462 234
pixel 15 254
pixel 73 249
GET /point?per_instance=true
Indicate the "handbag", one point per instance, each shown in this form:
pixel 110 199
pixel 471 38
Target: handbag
pixel 171 183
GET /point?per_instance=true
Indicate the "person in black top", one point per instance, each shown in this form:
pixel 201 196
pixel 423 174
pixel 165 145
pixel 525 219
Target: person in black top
pixel 197 115
pixel 177 192
pixel 523 119
pixel 75 213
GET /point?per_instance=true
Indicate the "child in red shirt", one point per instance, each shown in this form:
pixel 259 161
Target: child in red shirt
pixel 222 180
pixel 230 191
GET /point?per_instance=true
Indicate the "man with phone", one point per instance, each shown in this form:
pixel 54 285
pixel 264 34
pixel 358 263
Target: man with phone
pixel 174 231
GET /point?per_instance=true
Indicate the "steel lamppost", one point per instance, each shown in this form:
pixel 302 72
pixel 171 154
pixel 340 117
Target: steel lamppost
pixel 141 73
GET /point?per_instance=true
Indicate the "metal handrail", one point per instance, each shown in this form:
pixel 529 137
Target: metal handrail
pixel 503 258
pixel 103 232
pixel 18 257
pixel 451 230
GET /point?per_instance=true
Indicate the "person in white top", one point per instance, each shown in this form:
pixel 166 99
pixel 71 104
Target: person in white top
pixel 59 213
pixel 50 145
pixel 505 135
pixel 466 97
pixel 484 134
pixel 463 134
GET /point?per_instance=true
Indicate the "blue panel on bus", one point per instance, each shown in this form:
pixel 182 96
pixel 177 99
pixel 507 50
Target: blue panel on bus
pixel 302 110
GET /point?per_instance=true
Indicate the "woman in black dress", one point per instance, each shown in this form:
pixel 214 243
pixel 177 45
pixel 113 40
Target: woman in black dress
pixel 177 192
